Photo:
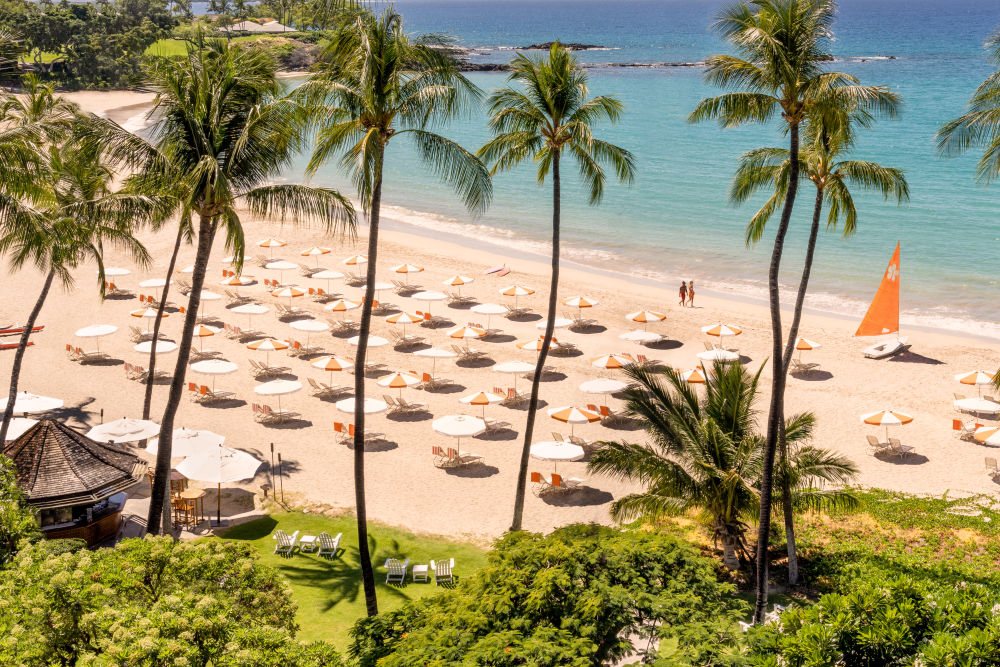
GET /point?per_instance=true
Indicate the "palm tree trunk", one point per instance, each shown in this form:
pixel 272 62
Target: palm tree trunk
pixel 22 345
pixel 775 417
pixel 729 558
pixel 148 400
pixel 793 334
pixel 159 507
pixel 536 379
pixel 361 509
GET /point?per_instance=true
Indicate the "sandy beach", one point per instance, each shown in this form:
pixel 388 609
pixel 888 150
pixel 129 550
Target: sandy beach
pixel 404 487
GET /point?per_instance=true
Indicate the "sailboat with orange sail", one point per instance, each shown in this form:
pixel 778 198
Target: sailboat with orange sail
pixel 883 314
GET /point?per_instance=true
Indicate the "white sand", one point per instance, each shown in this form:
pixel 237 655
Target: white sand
pixel 403 486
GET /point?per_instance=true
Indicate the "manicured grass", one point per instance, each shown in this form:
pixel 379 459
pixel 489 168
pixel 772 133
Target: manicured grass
pixel 169 48
pixel 328 592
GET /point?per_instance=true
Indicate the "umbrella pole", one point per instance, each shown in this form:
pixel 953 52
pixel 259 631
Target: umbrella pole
pixel 218 504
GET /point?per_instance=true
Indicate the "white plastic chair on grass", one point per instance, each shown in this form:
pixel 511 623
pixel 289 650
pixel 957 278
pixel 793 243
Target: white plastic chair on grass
pixel 328 546
pixel 285 542
pixel 442 570
pixel 396 570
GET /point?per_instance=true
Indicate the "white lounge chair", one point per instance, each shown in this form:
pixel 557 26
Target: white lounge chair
pixel 328 546
pixel 285 543
pixel 442 570
pixel 396 570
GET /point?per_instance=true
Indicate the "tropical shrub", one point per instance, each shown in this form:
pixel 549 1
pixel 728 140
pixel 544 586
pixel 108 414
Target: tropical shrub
pixel 150 602
pixel 901 623
pixel 17 520
pixel 582 595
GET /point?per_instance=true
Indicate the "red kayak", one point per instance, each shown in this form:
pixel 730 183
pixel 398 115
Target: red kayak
pixel 14 331
pixel 11 346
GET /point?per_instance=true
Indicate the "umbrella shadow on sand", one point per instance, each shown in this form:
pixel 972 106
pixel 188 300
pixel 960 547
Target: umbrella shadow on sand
pixel 665 344
pixel 110 361
pixel 527 317
pixel 553 376
pixel 910 460
pixel 380 445
pixel 812 375
pixel 502 433
pixel 579 497
pixel 499 338
pixel 450 388
pixel 225 403
pixel 475 363
pixel 524 406
pixel 473 471
pixel 414 416
pixel 290 424
pixel 592 328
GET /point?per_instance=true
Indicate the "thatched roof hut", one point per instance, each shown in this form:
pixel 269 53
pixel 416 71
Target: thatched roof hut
pixel 60 467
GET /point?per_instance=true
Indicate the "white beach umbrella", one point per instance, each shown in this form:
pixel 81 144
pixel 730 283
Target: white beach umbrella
pixel 489 310
pixel 373 341
pixel 18 426
pixel 724 356
pixel 380 286
pixel 162 346
pixel 214 367
pixel 429 296
pixel 207 296
pixel 482 398
pixel 250 309
pixel 327 275
pixel 231 259
pixel 310 327
pixel 26 402
pixel 115 271
pixel 641 336
pixel 435 353
pixel 458 427
pixel 278 388
pixel 281 266
pixel 371 406
pixel 604 386
pixel 219 465
pixel 333 364
pixel 124 430
pixel 514 368
pixel 154 283
pixel 556 451
pixel 560 323
pixel 189 269
pixel 573 416
pixel 187 442
pixel 96 331
pixel 886 418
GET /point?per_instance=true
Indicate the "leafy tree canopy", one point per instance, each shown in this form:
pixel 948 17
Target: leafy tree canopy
pixel 17 519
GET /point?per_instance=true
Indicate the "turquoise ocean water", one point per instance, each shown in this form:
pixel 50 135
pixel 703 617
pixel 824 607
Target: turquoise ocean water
pixel 675 221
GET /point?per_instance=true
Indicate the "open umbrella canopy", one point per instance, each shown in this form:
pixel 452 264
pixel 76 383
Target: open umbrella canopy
pixel 341 305
pixel 886 418
pixel 696 376
pixel 721 330
pixel 154 283
pixel 250 309
pixel 124 430
pixel 281 265
pixel 315 251
pixel 404 318
pixel 457 281
pixel 988 435
pixel 580 302
pixel 516 290
pixel 115 271
pixel 271 243
pixel 467 332
pixel 204 331
pixel 489 309
pixel 332 363
pixel 287 293
pixel 207 295
pixel 162 347
pixel 514 367
pixel 718 355
pixel 26 402
pixel 187 269
pixel 976 378
pixel 327 274
pixel 356 260
pixel 551 450
pixel 187 442
pixel 18 426
pixel 399 380
pixel 535 344
pixel 268 345
pixel 559 323
pixel 311 326
pixel 278 388
pixel 96 331
pixel 219 465
pixel 435 353
pixel 214 367
pixel 570 415
pixel 407 268
pixel 371 405
pixel 236 281
pixel 641 337
pixel 147 313
pixel 611 361
pixel 379 286
pixel 58 466
pixel 482 398
pixel 806 344
pixel 602 386
pixel 645 316
pixel 459 426
pixel 373 341
pixel 430 295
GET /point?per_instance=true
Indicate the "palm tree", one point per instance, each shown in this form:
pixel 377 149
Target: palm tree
pixel 708 455
pixel 69 222
pixel 375 83
pixel 549 113
pixel 978 127
pixel 780 68
pixel 826 141
pixel 222 131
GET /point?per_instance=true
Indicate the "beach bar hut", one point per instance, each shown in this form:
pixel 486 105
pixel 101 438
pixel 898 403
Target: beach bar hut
pixel 77 484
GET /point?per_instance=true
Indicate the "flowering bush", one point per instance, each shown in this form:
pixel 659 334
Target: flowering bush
pixel 905 623
pixel 150 602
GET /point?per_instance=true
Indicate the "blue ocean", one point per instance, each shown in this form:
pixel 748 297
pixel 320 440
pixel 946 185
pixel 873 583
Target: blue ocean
pixel 675 222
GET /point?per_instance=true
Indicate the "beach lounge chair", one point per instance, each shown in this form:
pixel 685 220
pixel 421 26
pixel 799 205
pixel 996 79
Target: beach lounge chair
pixel 875 445
pixel 405 406
pixel 307 270
pixel 456 299
pixel 466 458
pixel 237 299
pixel 208 395
pixel 514 313
pixel 609 416
pixel 343 436
pixel 401 288
pixel 183 286
pixel 396 570
pixel 495 424
pixel 466 353
pixel 441 459
pixel 566 484
pixel 562 349
pixel 991 467
pixel 514 398
pixel 284 543
pixel 328 546
pixel 896 448
pixel 261 260
pixel 90 357
pixel 442 571
pixel 964 430
pixel 886 348
pixel 539 485
pixel 113 290
pixel 370 436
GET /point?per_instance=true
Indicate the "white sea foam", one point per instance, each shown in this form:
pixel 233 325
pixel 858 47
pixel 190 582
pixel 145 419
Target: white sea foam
pixel 136 123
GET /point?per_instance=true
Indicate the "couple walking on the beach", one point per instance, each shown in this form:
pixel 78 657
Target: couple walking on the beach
pixel 687 293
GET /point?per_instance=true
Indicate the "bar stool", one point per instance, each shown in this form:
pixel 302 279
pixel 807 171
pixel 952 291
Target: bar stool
pixel 196 497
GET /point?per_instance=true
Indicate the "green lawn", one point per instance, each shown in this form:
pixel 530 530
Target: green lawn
pixel 168 48
pixel 328 591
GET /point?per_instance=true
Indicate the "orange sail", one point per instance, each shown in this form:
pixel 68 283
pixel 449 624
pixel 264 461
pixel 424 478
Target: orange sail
pixel 883 315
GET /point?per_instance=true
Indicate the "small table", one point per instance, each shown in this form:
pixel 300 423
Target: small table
pixel 419 573
pixel 308 543
pixel 196 496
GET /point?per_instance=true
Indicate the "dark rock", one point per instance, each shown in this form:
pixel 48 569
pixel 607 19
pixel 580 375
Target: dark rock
pixel 572 46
